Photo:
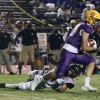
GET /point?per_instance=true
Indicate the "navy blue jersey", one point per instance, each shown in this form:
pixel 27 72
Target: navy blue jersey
pixel 29 36
pixel 5 39
pixel 55 41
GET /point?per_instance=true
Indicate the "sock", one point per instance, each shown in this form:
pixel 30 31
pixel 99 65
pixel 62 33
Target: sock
pixel 86 81
pixel 11 85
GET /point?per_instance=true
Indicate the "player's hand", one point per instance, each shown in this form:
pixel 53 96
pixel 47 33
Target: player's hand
pixel 92 43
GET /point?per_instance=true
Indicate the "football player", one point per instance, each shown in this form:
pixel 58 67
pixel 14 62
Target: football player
pixel 69 52
pixel 60 84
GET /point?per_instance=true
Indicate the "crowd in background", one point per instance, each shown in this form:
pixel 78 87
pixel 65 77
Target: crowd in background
pixel 61 12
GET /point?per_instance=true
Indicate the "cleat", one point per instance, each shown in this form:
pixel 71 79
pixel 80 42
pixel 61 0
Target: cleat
pixel 11 73
pixel 36 81
pixel 89 89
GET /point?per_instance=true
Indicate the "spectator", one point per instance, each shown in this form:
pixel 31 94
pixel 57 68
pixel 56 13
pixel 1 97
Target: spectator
pixel 34 12
pixel 35 2
pixel 55 42
pixel 61 11
pixel 98 7
pixel 29 40
pixel 51 6
pixel 84 11
pixel 9 20
pixel 5 41
pixel 42 5
pixel 47 1
pixel 61 14
pixel 89 6
pixel 18 47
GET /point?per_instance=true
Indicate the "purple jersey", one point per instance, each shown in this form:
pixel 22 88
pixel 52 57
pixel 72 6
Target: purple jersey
pixel 70 49
pixel 75 36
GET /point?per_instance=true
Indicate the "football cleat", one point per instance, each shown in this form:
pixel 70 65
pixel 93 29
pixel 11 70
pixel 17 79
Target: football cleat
pixel 88 89
pixel 36 81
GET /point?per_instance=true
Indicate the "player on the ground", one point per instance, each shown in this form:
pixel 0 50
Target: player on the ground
pixel 61 84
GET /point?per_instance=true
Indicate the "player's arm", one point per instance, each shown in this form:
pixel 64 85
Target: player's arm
pixel 85 46
pixel 62 88
pixel 65 86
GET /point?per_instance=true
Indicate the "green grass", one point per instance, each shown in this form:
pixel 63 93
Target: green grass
pixel 48 94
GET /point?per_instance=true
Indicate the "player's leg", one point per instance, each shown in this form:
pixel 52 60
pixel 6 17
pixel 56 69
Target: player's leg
pixel 5 57
pixel 39 78
pixel 23 85
pixel 4 85
pixel 17 57
pixel 90 62
pixel 65 60
pixel 31 55
pixel 24 57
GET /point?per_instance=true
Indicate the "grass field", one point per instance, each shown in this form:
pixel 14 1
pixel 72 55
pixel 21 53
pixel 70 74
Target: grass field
pixel 48 94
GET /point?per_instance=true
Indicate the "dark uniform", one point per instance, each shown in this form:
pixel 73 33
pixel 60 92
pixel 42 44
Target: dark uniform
pixel 29 39
pixel 5 39
pixel 55 42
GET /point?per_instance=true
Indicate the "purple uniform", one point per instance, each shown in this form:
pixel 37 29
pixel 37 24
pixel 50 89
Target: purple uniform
pixel 69 52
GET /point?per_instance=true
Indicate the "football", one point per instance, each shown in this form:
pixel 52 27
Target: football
pixel 91 42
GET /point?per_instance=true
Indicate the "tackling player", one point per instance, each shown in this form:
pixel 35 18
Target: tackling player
pixel 61 84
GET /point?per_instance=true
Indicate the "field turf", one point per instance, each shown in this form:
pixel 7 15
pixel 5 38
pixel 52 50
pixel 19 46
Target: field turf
pixel 48 94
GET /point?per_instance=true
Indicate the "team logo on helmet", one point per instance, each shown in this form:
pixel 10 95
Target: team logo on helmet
pixel 74 70
pixel 91 16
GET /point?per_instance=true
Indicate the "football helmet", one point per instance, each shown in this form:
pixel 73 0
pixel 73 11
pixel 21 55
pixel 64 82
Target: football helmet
pixel 37 63
pixel 91 16
pixel 73 21
pixel 74 70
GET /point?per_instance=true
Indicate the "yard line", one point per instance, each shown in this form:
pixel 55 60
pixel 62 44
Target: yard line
pixel 28 97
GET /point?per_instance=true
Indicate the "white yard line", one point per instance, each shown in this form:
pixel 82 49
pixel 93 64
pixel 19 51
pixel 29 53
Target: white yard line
pixel 28 97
